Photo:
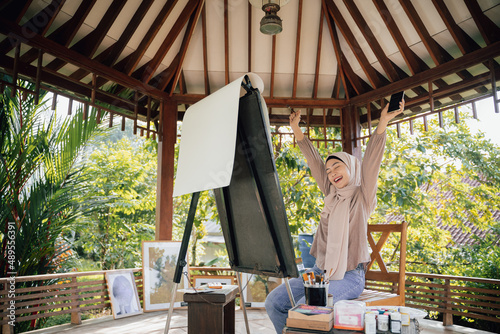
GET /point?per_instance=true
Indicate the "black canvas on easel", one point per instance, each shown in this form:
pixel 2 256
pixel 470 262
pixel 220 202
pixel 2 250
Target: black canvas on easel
pixel 251 209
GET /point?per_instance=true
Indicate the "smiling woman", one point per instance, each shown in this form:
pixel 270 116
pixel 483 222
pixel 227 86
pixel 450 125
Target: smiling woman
pixel 339 246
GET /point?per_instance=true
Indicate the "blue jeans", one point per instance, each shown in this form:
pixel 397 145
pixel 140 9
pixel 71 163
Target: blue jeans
pixel 278 302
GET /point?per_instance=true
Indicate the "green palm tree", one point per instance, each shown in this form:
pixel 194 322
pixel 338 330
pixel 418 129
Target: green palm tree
pixel 40 182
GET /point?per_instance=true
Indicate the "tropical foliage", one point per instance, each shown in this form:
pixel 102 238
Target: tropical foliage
pixel 40 183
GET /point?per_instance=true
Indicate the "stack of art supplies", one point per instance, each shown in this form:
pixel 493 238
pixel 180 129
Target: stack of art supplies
pixel 318 318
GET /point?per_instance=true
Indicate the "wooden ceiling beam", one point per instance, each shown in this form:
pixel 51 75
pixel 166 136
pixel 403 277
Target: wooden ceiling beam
pixel 318 121
pixel 185 42
pixel 70 56
pixel 273 65
pixel 489 30
pixel 413 62
pixel 372 40
pixel 455 88
pixel 370 72
pixel 57 80
pixel 226 42
pixel 430 44
pixel 111 54
pixel 66 32
pixel 464 42
pixel 297 51
pixel 205 52
pixel 129 63
pixel 146 72
pixel 275 102
pixel 89 44
pixel 354 79
pixel 249 37
pixel 39 23
pixel 318 54
pixel 15 8
pixel 433 74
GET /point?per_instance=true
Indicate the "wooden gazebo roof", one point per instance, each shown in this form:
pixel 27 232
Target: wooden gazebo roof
pixel 130 56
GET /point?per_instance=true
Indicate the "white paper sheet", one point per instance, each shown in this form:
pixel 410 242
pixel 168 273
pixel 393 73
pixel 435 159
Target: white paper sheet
pixel 208 139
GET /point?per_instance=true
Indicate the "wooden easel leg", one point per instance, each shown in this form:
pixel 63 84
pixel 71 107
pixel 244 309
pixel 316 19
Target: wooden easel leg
pixel 242 302
pixel 171 307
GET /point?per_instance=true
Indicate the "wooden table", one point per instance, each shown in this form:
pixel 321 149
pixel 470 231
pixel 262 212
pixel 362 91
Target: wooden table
pixel 213 312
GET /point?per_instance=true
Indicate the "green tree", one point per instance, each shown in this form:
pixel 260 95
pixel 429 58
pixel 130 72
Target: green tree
pixel 442 174
pixel 124 175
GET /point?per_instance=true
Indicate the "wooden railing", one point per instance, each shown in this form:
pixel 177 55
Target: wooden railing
pixel 55 294
pixel 74 293
pixel 475 298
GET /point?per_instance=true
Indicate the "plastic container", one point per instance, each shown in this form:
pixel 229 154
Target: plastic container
pixel 395 322
pixel 405 316
pixel 349 314
pixel 383 322
pixel 370 323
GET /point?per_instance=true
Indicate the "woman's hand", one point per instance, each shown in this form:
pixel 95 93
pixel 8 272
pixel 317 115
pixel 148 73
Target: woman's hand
pixel 294 124
pixel 386 117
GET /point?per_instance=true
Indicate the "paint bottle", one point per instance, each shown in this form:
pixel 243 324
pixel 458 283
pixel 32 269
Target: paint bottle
pixel 370 323
pixel 395 322
pixel 405 319
pixel 383 322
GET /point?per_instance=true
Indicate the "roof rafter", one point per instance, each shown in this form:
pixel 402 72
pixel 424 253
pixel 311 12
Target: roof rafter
pixel 487 28
pixel 88 45
pixel 464 42
pixel 414 63
pixel 146 72
pixel 297 51
pixel 355 80
pixel 375 78
pixel 129 63
pixel 66 32
pixel 431 75
pixel 39 23
pixel 185 42
pixel 205 53
pixel 318 54
pixel 226 42
pixel 372 40
pixel 111 54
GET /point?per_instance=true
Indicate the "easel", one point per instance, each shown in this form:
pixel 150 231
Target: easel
pixel 181 263
pixel 282 253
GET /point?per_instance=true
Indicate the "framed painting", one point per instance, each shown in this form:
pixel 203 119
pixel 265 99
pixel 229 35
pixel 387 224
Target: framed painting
pixel 257 287
pixel 200 280
pixel 123 293
pixel 159 260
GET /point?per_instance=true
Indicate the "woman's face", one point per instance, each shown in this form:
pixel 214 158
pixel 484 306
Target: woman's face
pixel 338 173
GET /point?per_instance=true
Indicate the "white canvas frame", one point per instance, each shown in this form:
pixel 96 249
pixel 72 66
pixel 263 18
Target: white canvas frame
pixel 123 293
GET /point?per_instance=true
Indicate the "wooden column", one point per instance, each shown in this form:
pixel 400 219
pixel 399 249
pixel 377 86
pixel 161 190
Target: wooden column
pixel 165 183
pixel 351 129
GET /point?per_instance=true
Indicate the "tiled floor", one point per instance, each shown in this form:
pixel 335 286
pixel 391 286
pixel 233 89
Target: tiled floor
pixel 154 323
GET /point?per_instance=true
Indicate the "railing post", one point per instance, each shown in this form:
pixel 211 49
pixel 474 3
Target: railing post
pixel 76 318
pixel 448 315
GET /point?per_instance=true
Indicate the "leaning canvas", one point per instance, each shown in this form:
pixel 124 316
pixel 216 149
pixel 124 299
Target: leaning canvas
pixel 159 259
pixel 123 293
